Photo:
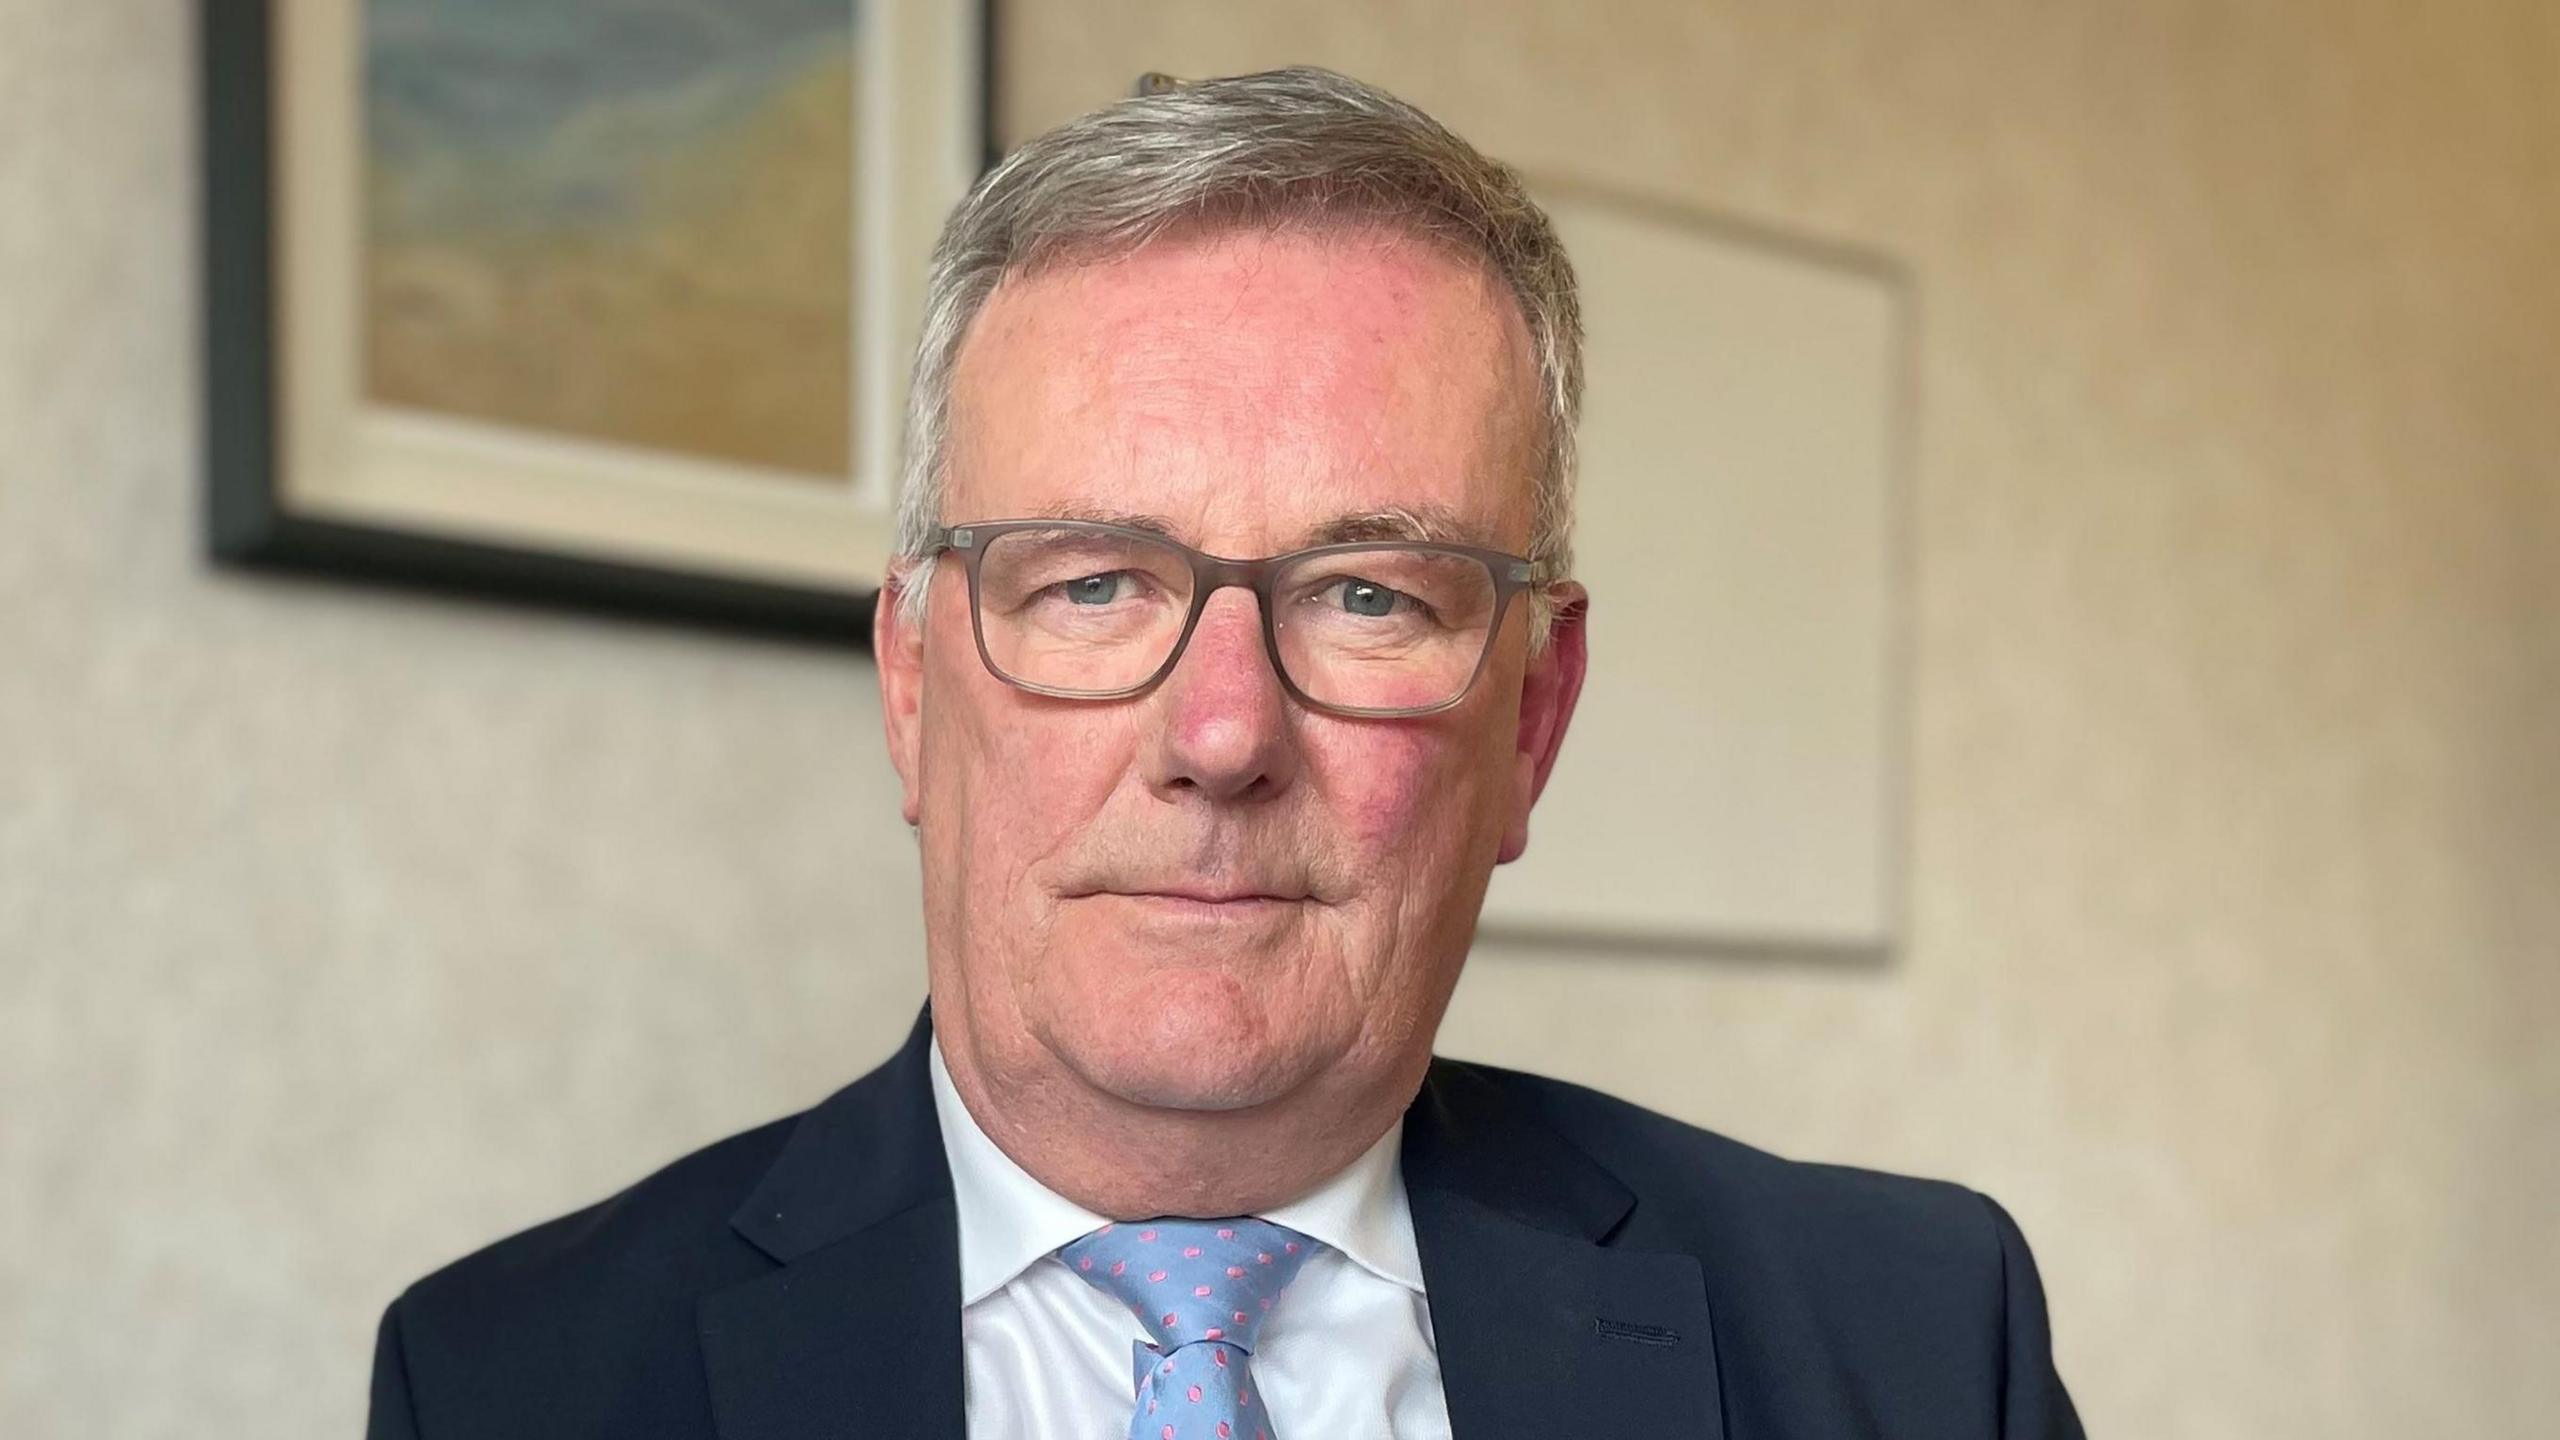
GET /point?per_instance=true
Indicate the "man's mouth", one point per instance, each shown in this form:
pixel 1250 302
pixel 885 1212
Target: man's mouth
pixel 1209 894
pixel 1205 898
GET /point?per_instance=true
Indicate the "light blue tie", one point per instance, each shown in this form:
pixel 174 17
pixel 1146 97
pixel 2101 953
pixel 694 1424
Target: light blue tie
pixel 1202 1289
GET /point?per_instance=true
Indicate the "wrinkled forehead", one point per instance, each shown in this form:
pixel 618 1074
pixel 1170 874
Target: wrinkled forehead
pixel 1253 388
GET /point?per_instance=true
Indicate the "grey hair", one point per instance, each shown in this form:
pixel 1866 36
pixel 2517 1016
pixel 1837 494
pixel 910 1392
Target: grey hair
pixel 1270 151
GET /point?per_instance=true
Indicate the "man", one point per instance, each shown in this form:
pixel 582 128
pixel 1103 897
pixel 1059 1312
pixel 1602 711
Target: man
pixel 1204 841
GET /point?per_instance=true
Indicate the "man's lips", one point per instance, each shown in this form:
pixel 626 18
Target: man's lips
pixel 1207 897
pixel 1197 893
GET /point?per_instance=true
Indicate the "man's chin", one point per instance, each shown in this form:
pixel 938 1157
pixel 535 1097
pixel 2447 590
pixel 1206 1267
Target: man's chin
pixel 1178 1074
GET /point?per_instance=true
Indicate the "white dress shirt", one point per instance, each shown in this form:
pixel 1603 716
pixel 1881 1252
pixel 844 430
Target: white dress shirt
pixel 1346 1355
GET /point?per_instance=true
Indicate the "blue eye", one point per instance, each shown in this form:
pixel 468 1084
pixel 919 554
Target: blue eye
pixel 1095 589
pixel 1363 597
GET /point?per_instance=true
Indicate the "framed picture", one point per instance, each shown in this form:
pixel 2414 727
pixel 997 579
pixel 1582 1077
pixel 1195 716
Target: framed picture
pixel 587 301
pixel 1745 447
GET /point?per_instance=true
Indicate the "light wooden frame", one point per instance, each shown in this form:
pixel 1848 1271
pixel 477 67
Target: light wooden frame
pixel 305 472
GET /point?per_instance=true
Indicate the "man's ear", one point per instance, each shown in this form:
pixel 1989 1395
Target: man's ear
pixel 1547 696
pixel 897 643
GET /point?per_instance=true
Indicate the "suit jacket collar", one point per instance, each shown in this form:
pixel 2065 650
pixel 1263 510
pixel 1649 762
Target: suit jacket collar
pixel 1542 1330
pixel 865 1154
pixel 856 1332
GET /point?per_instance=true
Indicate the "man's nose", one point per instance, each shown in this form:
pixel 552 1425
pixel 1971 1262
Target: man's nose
pixel 1224 727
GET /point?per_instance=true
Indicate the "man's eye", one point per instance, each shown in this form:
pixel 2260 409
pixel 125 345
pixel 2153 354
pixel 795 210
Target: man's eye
pixel 1366 597
pixel 1099 589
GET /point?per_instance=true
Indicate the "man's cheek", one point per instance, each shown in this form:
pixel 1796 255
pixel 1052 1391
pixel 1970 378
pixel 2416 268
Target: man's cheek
pixel 1059 755
pixel 1045 775
pixel 1386 789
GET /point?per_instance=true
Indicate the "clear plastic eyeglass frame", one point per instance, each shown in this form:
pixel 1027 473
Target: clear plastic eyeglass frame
pixel 1510 574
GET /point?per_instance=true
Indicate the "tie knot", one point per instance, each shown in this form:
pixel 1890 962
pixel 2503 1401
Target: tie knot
pixel 1189 1280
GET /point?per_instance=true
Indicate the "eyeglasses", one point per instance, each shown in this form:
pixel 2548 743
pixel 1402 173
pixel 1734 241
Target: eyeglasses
pixel 1089 611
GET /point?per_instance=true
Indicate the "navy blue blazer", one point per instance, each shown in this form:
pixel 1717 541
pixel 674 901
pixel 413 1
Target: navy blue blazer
pixel 1592 1269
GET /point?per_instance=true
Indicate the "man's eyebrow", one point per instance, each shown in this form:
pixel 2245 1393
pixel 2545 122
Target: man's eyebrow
pixel 1104 515
pixel 1434 524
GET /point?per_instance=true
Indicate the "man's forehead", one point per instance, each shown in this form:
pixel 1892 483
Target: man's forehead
pixel 1359 391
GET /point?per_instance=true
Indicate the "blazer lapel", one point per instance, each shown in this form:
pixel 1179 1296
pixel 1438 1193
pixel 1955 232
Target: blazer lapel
pixel 857 1333
pixel 1544 1331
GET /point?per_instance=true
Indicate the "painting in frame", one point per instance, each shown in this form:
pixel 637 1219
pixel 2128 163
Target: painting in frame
pixel 601 302
pixel 1735 782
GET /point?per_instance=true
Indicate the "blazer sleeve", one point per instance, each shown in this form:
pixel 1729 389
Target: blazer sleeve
pixel 394 1416
pixel 2033 1403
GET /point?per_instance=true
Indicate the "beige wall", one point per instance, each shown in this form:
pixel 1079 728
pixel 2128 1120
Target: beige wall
pixel 342 931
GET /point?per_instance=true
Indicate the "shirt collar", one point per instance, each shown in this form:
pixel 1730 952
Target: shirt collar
pixel 1009 1221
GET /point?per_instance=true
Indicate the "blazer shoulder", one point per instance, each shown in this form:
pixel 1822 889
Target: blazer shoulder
pixel 598 1300
pixel 652 1226
pixel 1718 1194
pixel 1839 1292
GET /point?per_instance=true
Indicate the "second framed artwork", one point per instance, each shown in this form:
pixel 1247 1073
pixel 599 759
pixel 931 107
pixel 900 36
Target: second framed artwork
pixel 602 303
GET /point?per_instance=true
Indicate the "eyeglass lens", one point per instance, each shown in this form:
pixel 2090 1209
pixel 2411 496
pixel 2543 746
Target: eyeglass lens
pixel 1081 613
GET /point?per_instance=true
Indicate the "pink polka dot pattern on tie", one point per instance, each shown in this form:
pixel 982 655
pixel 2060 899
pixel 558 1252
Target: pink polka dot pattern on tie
pixel 1202 1290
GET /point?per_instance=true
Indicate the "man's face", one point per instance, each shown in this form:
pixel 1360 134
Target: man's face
pixel 1207 896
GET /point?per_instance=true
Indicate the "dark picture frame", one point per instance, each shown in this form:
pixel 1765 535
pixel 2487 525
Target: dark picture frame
pixel 254 518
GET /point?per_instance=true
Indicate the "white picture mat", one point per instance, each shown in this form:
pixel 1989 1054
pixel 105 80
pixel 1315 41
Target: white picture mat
pixel 1733 775
pixel 345 458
